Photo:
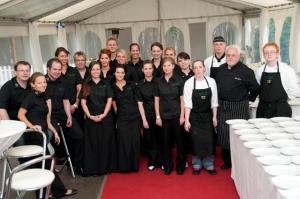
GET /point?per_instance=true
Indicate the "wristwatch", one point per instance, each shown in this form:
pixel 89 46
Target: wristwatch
pixel 157 117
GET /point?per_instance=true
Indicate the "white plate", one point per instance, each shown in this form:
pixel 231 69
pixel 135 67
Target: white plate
pixel 284 143
pixel 236 121
pixel 290 193
pixel 246 131
pixel 289 123
pixel 252 137
pixel 265 151
pixel 258 144
pixel 258 120
pixel 269 130
pixel 281 119
pixel 297 136
pixel 242 126
pixel 296 159
pixel 274 160
pixel 266 125
pixel 278 170
pixel 286 181
pixel 292 129
pixel 291 150
pixel 278 136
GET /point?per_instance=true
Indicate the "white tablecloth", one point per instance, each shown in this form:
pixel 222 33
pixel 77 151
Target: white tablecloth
pixel 10 132
pixel 250 179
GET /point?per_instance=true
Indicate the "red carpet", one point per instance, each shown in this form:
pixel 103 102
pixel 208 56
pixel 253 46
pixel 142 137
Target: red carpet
pixel 156 185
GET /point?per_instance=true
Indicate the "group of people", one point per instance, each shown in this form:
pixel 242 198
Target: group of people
pixel 107 108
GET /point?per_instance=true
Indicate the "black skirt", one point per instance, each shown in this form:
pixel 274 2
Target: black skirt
pixel 99 147
pixel 228 111
pixel 128 144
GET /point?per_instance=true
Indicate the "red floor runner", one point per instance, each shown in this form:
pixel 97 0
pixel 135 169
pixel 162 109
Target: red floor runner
pixel 156 185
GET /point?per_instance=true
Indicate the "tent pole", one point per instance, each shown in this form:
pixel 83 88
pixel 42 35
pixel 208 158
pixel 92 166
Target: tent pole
pixel 159 20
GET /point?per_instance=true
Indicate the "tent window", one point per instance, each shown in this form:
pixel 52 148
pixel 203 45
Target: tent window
pixel 92 45
pixel 13 49
pixel 227 30
pixel 174 38
pixel 48 46
pixel 285 40
pixel 146 38
pixel 271 30
pixel 71 41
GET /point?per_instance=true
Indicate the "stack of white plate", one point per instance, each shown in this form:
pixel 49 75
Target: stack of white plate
pixel 258 120
pixel 265 151
pixel 266 125
pixel 242 126
pixel 258 144
pixel 236 121
pixel 269 130
pixel 286 181
pixel 284 143
pixel 246 131
pixel 290 150
pixel 278 136
pixel 288 123
pixel 281 119
pixel 279 170
pixel 274 160
pixel 292 129
pixel 252 137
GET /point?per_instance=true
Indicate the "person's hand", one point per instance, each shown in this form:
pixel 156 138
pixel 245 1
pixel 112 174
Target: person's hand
pixel 56 138
pixel 181 120
pixel 215 122
pixel 145 124
pixel 158 122
pixel 36 127
pixel 69 122
pixel 187 126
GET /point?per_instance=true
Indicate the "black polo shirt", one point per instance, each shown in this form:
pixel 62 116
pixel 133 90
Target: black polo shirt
pixel 127 107
pixel 138 68
pixel 12 96
pixel 97 99
pixel 57 91
pixel 184 76
pixel 158 72
pixel 73 78
pixel 109 78
pixel 145 94
pixel 37 109
pixel 113 64
pixel 130 74
pixel 237 83
pixel 169 94
pixel 86 74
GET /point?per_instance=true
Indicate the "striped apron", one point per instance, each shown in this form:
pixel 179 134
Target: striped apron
pixel 229 110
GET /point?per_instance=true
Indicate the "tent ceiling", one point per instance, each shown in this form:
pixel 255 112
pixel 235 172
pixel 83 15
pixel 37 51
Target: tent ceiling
pixel 78 10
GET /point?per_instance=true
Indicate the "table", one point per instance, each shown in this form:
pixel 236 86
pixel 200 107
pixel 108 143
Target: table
pixel 250 178
pixel 294 103
pixel 10 132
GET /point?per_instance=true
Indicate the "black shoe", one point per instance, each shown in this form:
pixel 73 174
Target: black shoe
pixel 196 171
pixel 212 172
pixel 180 171
pixel 168 171
pixel 225 166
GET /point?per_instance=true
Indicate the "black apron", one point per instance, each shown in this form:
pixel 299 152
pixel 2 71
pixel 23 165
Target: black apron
pixel 272 97
pixel 214 70
pixel 201 121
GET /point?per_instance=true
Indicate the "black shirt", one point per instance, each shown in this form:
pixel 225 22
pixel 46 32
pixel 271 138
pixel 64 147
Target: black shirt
pixel 109 78
pixel 169 94
pixel 113 64
pixel 73 78
pixel 138 68
pixel 158 72
pixel 97 99
pixel 11 97
pixel 145 94
pixel 37 109
pixel 127 107
pixel 184 76
pixel 237 83
pixel 130 74
pixel 86 74
pixel 57 92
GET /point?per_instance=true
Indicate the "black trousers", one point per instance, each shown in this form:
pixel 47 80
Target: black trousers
pixel 171 127
pixel 74 138
pixel 153 142
pixel 226 157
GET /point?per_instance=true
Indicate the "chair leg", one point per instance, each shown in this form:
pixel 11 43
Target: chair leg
pixel 3 177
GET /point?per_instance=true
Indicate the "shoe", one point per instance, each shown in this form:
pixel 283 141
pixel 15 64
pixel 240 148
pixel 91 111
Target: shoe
pixel 225 166
pixel 72 193
pixel 212 172
pixel 162 167
pixel 180 171
pixel 196 171
pixel 151 168
pixel 168 171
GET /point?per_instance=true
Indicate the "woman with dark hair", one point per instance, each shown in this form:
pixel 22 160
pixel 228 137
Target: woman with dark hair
pixel 156 52
pixel 151 132
pixel 104 60
pixel 169 112
pixel 128 122
pixel 35 112
pixel 99 145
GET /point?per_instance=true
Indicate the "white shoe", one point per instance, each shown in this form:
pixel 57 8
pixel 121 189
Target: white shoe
pixel 151 168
